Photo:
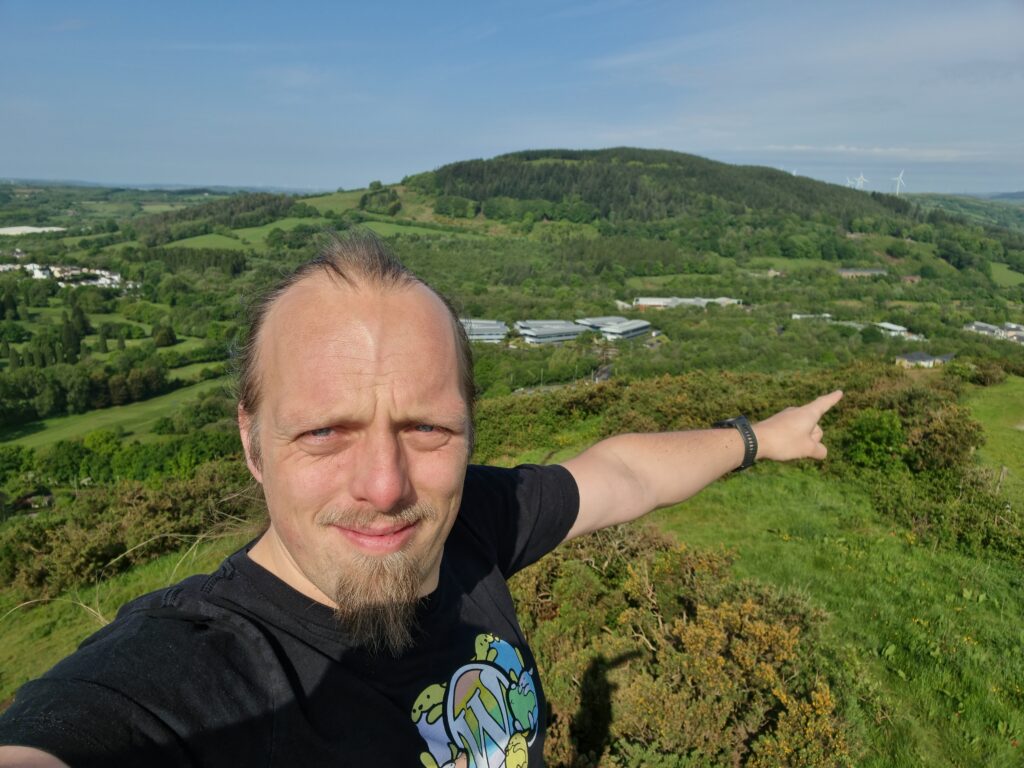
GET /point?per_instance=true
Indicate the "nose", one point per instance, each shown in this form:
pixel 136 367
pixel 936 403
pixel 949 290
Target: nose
pixel 381 477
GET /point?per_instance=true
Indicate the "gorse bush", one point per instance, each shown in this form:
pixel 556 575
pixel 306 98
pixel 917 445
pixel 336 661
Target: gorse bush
pixel 905 437
pixel 103 531
pixel 654 655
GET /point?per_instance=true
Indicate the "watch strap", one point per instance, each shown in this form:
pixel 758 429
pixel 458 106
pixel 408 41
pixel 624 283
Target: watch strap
pixel 742 425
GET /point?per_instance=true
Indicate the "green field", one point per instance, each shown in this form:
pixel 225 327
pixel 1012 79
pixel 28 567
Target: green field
pixel 390 228
pixel 106 209
pixel 791 265
pixel 1005 277
pixel 136 418
pixel 928 641
pixel 1000 409
pixel 337 201
pixel 256 237
pixel 191 372
pixel 162 207
pixel 210 241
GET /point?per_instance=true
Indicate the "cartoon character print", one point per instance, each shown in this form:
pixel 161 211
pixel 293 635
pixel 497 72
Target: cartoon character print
pixel 485 716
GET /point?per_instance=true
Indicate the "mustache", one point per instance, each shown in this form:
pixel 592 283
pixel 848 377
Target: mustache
pixel 352 517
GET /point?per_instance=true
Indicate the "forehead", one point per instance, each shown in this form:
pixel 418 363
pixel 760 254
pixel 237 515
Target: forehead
pixel 327 345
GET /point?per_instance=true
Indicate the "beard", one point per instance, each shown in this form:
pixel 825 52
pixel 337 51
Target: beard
pixel 376 595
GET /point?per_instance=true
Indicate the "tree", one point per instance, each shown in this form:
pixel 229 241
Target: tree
pixel 164 336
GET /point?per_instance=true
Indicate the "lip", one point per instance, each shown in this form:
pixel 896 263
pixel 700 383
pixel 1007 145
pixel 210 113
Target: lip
pixel 378 542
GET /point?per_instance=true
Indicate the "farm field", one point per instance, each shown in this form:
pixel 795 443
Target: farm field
pixel 255 237
pixel 337 201
pixel 190 373
pixel 390 228
pixel 135 419
pixel 1000 409
pixel 211 241
pixel 1003 275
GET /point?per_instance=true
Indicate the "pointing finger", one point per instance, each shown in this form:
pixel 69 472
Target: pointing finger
pixel 825 402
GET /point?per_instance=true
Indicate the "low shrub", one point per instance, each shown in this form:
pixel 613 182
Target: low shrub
pixel 655 656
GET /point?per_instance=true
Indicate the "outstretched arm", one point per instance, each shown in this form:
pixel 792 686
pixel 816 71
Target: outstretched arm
pixel 627 476
pixel 27 757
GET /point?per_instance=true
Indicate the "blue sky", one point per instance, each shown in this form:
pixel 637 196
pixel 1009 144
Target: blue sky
pixel 321 95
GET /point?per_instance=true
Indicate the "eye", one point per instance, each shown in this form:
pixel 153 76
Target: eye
pixel 425 428
pixel 320 432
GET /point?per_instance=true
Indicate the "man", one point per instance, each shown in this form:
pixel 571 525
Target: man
pixel 371 623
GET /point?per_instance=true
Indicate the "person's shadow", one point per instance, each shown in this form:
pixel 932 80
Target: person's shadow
pixel 590 729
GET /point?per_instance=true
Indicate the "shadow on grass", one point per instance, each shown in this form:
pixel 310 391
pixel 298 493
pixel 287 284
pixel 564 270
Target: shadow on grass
pixel 22 430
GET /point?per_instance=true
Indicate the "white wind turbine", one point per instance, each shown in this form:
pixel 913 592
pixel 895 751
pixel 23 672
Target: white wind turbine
pixel 899 183
pixel 849 181
pixel 861 181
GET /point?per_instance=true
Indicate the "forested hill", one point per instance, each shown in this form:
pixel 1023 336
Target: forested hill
pixel 645 185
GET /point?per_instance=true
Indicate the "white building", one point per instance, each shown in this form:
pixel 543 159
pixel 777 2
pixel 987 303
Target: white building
pixel 891 329
pixel 643 303
pixel 615 328
pixel 549 331
pixel 986 329
pixel 629 329
pixel 490 331
pixel 597 323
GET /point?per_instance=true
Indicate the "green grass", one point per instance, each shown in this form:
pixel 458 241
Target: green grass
pixel 337 201
pixel 929 641
pixel 1005 277
pixel 1000 409
pixel 389 228
pixel 209 241
pixel 256 237
pixel 926 643
pixel 791 265
pixel 192 372
pixel 105 209
pixel 36 636
pixel 162 207
pixel 136 419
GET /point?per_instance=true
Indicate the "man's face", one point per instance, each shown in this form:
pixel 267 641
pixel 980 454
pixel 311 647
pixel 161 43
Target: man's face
pixel 364 434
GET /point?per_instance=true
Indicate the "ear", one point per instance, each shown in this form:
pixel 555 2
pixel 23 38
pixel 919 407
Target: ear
pixel 249 432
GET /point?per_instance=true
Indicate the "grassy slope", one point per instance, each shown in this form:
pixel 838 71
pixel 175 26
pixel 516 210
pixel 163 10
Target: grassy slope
pixel 209 241
pixel 1005 277
pixel 928 641
pixel 35 636
pixel 1001 410
pixel 136 418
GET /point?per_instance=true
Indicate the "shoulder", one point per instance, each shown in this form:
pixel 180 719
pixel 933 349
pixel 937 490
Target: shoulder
pixel 517 483
pixel 169 670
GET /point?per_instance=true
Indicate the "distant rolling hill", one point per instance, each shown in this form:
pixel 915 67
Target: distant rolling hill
pixel 646 185
pixel 1004 210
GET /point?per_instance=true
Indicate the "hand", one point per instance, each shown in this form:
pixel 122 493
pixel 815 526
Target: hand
pixel 794 433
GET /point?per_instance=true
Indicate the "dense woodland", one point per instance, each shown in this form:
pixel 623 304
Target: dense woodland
pixel 532 235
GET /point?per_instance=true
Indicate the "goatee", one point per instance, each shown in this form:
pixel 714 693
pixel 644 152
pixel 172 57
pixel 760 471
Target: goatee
pixel 383 616
pixel 376 595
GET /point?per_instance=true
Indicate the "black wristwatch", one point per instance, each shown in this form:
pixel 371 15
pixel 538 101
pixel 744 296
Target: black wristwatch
pixel 741 425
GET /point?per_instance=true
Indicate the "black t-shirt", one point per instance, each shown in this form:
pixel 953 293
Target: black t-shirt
pixel 239 669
